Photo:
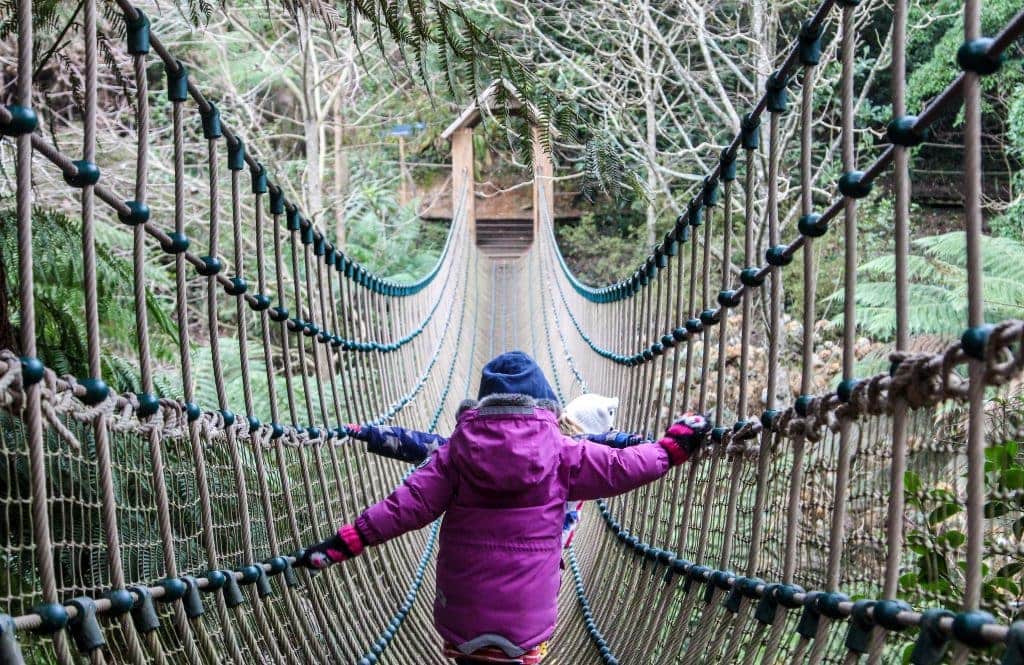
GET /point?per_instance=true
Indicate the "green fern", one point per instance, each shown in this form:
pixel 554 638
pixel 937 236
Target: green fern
pixel 937 289
pixel 60 301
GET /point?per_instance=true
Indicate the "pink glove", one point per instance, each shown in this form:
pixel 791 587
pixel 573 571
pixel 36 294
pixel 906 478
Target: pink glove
pixel 344 545
pixel 684 437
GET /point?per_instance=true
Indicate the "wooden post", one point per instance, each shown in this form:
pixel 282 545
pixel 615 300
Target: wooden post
pixel 462 175
pixel 543 172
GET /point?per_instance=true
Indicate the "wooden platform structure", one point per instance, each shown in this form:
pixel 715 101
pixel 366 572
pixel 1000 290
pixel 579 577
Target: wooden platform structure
pixel 503 236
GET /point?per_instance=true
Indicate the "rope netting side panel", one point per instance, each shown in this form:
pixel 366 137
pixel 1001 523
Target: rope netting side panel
pixel 161 524
pixel 834 517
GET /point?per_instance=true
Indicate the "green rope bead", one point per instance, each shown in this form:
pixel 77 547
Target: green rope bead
pixel 96 390
pixel 277 201
pixel 778 256
pixel 695 214
pixel 974 341
pixel 149 404
pixel 228 417
pixel 86 174
pixel 886 614
pixel 729 298
pixel 177 82
pixel 32 371
pixel 137 33
pixel 236 154
pixel 845 389
pixel 178 243
pixel 768 418
pixel 828 604
pixel 810 44
pixel 211 266
pixel 236 287
pixel 121 602
pixel 212 128
pixel 138 213
pixel 727 164
pixel 258 175
pixel 750 135
pixel 785 594
pixel 777 96
pixel 975 56
pixel 710 317
pixel 810 225
pixel 215 579
pixel 803 404
pixel 174 589
pixel 277 565
pixel 192 411
pixel 23 121
pixel 53 617
pixel 710 192
pixel 854 185
pixel 752 277
pixel 904 132
pixel 260 302
pixel 967 628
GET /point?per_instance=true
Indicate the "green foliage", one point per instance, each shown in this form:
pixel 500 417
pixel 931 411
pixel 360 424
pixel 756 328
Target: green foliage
pixel 597 250
pixel 60 300
pixel 387 238
pixel 1011 222
pixel 936 575
pixel 937 276
pixel 445 36
pixel 933 52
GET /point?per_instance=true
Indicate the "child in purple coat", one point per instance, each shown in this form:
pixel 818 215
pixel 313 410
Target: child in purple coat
pixel 502 483
pixel 590 416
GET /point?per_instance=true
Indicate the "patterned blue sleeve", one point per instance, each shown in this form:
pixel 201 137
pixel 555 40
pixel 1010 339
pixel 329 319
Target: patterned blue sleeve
pixel 616 439
pixel 398 443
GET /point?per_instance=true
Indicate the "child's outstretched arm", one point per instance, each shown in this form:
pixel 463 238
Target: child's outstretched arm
pixel 615 439
pixel 406 445
pixel 418 501
pixel 598 471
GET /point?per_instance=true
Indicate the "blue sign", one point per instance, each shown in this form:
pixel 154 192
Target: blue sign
pixel 406 130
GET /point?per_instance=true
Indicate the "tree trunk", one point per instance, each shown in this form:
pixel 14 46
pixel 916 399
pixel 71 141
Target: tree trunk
pixel 312 182
pixel 652 128
pixel 341 174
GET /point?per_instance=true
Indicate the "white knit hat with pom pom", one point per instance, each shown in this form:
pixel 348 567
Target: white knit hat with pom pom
pixel 594 413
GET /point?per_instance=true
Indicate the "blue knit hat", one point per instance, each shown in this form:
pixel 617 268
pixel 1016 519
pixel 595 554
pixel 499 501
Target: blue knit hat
pixel 515 372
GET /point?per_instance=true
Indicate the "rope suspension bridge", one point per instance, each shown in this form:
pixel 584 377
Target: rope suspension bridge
pixel 146 529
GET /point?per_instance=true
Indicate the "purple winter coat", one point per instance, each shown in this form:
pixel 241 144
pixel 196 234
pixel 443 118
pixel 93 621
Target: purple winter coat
pixel 502 483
